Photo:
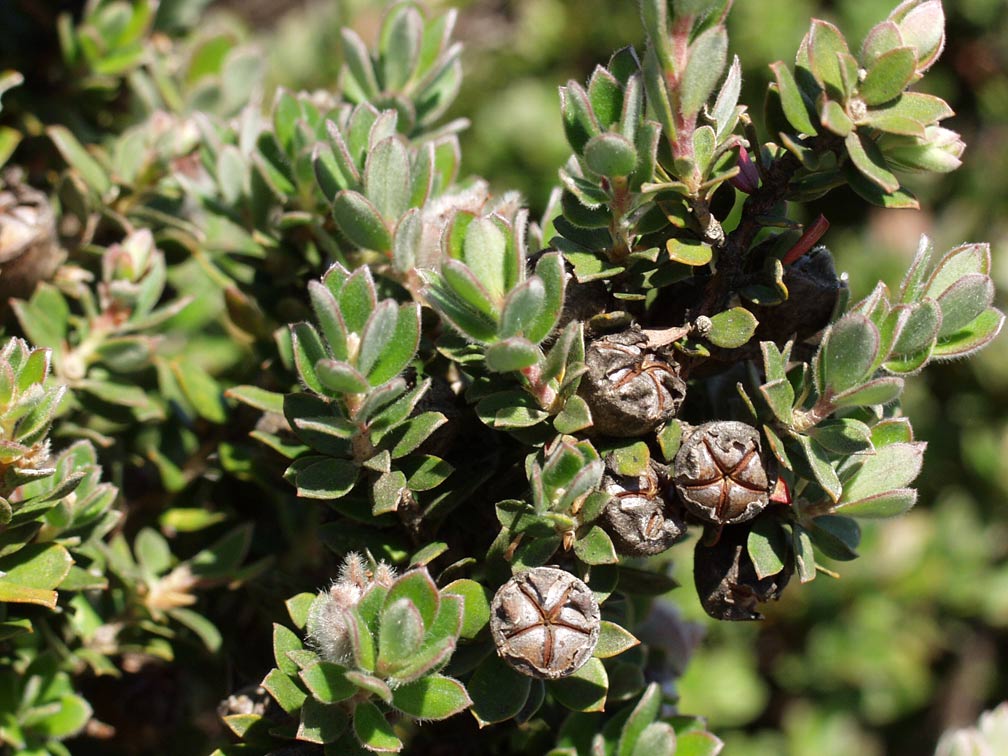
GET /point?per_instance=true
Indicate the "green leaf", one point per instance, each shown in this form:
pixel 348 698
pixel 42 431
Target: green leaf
pixel 879 391
pixel 732 328
pixel 340 377
pixel 400 347
pixel 574 416
pixel 923 27
pixel 692 252
pixel 767 547
pixel 285 640
pixel 825 44
pixel 308 350
pixel 920 329
pixel 843 436
pixel 476 605
pixel 373 730
pixel 963 302
pixel 327 682
pixel 400 43
pixel 40 566
pixel 90 171
pixel 708 55
pixel 284 690
pixel 880 39
pixel 550 270
pixel 153 552
pixel 201 389
pixel 613 640
pixel 595 547
pixel 975 336
pixel 891 467
pixel 400 632
pixel 321 722
pixel 837 537
pixel 886 504
pixel 521 307
pixel 694 743
pixel 847 353
pixel 643 714
pixel 298 607
pixel 417 586
pixel 485 252
pixel 796 110
pixel 804 553
pixel 824 472
pixel 69 716
pixel 204 629
pixel 434 697
pixel 610 155
pixel 579 121
pixel 658 739
pixel 512 354
pixel 326 479
pixel 888 76
pixel 387 179
pixel 414 431
pixel 835 118
pixel 361 222
pixel 497 692
pixel 606 96
pixel 585 689
pixel 868 159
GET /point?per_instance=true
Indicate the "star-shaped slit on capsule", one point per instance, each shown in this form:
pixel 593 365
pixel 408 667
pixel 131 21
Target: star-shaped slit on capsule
pixel 545 622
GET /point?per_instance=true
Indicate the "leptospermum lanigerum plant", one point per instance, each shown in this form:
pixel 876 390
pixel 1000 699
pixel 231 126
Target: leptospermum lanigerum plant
pixel 468 444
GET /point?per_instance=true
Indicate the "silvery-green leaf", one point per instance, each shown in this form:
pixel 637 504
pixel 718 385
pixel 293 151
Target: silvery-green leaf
pixel 796 109
pixel 706 62
pixel 361 222
pixel 610 155
pixel 888 76
pixel 847 353
pixel 891 467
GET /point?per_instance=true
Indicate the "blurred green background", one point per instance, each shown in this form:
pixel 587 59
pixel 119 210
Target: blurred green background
pixel 913 638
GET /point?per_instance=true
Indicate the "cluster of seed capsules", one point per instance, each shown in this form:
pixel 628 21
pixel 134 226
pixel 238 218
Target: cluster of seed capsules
pixel 721 478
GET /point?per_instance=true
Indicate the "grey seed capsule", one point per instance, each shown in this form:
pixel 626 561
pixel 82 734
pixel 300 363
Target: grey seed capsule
pixel 720 473
pixel 545 622
pixel 637 518
pixel 726 579
pixel 630 389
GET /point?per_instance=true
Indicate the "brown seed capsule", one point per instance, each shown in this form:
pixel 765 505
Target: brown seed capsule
pixel 545 622
pixel 29 251
pixel 637 518
pixel 720 473
pixel 726 579
pixel 813 289
pixel 629 388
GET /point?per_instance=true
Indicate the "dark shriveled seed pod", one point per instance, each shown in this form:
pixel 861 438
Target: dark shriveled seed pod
pixel 638 518
pixel 630 389
pixel 721 474
pixel 29 250
pixel 545 623
pixel 813 289
pixel 726 579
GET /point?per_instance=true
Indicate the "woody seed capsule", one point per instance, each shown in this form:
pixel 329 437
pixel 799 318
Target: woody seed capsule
pixel 545 622
pixel 630 389
pixel 726 579
pixel 720 473
pixel 637 518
